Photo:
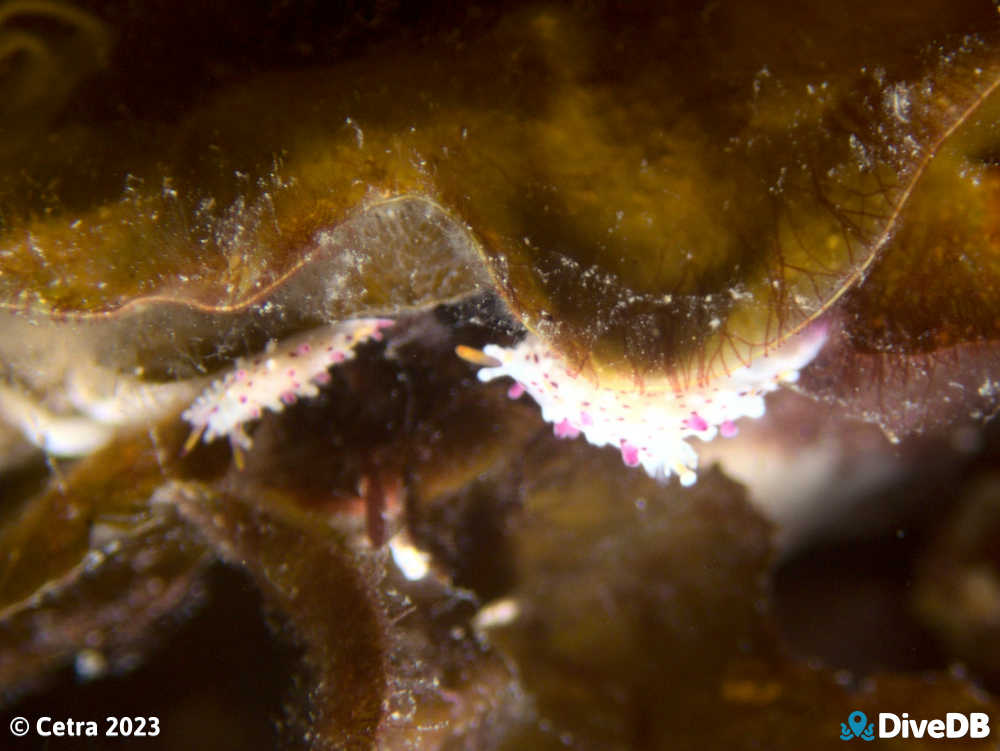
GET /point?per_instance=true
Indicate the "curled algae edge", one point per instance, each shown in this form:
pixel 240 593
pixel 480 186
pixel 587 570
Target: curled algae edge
pixel 260 296
pixel 858 274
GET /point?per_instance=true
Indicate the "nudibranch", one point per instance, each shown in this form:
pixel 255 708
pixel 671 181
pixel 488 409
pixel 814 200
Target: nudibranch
pixel 650 426
pixel 279 376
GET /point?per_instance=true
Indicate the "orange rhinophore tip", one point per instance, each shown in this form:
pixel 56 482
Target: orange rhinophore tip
pixel 192 439
pixel 239 458
pixel 476 356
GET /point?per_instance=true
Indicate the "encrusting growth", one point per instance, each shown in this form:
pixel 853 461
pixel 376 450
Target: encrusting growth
pixel 650 427
pixel 277 377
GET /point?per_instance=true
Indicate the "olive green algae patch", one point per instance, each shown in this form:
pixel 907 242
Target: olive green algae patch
pixel 653 192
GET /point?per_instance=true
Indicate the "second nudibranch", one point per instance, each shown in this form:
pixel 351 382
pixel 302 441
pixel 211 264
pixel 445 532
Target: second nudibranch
pixel 280 375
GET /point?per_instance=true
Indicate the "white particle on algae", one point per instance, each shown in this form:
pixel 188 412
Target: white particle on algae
pixel 650 427
pixel 277 377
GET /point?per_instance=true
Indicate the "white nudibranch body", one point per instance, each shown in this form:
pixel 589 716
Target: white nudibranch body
pixel 279 376
pixel 650 427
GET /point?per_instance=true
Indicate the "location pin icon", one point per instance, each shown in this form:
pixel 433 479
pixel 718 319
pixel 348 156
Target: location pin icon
pixel 857 721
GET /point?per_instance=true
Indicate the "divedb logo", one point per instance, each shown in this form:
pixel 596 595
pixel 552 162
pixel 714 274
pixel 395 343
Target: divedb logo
pixel 953 725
